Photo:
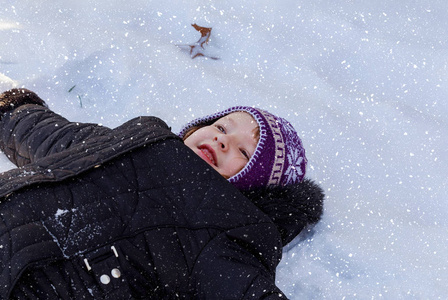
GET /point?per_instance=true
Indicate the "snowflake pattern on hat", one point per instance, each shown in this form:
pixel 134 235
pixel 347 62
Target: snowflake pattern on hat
pixel 296 160
pixel 294 170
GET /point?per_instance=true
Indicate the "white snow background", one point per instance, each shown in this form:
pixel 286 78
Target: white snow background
pixel 363 82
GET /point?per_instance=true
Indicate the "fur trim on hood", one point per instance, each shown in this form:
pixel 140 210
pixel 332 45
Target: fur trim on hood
pixel 292 207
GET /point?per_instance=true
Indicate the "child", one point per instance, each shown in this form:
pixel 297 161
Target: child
pixel 131 212
pixel 272 153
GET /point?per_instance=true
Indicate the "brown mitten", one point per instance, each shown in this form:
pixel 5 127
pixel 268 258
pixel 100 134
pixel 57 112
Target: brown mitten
pixel 14 98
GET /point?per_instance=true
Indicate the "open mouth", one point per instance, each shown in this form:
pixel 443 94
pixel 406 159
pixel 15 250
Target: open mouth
pixel 208 154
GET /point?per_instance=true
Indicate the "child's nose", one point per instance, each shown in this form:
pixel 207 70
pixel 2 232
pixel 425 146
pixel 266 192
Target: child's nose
pixel 223 142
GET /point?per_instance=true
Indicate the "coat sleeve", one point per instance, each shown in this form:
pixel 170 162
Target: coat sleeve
pixel 31 132
pixel 239 264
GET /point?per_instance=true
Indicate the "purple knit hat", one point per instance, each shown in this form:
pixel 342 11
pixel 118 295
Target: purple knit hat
pixel 279 157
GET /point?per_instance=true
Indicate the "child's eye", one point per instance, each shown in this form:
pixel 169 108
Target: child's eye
pixel 245 154
pixel 221 128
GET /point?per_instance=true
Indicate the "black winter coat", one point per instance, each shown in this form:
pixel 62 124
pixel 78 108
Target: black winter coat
pixel 125 213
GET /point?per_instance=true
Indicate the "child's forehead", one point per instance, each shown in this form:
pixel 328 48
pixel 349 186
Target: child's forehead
pixel 238 116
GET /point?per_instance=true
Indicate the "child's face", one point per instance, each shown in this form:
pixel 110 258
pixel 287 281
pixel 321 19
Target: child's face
pixel 226 145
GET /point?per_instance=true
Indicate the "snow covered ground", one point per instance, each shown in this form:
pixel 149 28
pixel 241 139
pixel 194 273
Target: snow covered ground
pixel 364 83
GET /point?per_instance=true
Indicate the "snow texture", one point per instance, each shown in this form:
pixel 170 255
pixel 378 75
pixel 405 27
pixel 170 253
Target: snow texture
pixel 363 82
